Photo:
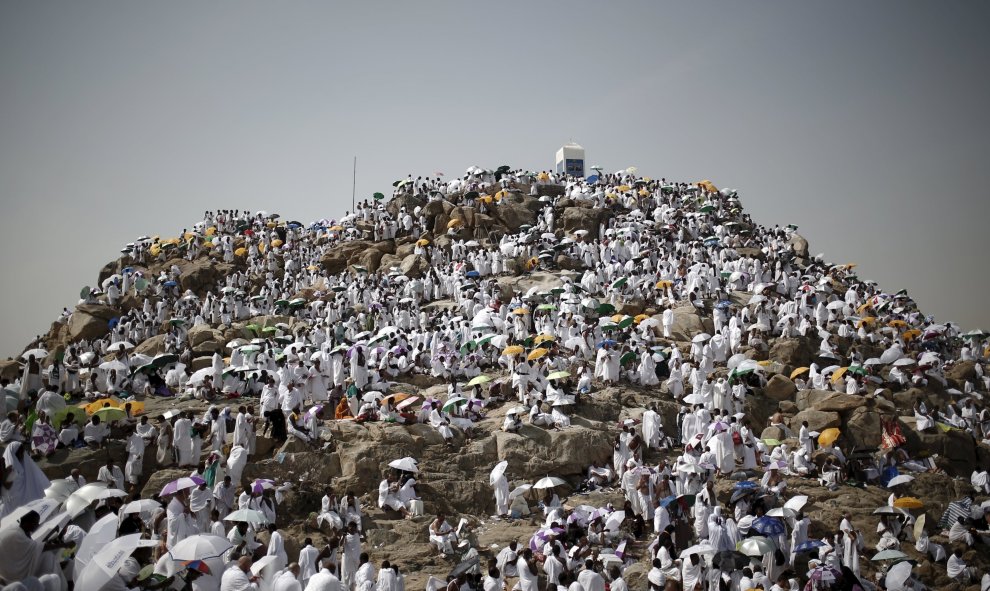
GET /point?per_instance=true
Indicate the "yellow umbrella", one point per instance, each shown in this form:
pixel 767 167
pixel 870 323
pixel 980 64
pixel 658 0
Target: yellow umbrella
pixel 622 188
pixel 664 283
pixel 828 436
pixel 336 228
pixel 543 338
pixel 617 317
pixel 897 324
pixel 531 263
pixel 137 408
pixel 643 192
pixel 501 195
pixel 911 334
pixel 837 374
pixel 765 363
pixel 542 177
pixel 908 503
pixel 312 268
pixel 512 350
pixel 640 317
pixel 867 320
pixel 422 242
pixel 276 243
pixel 864 307
pixel 271 225
pixel 536 354
pixel 111 402
pixel 240 252
pixel 155 250
pixel 520 311
pixel 262 247
pixel 188 236
pixel 455 223
pixel 211 230
pixel 799 371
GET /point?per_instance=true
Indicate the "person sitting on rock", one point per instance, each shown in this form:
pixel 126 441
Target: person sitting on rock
pixel 442 535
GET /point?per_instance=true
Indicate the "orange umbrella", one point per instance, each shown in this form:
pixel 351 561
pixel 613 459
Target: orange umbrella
pixel 897 324
pixel 911 334
pixel 867 320
pixel 908 503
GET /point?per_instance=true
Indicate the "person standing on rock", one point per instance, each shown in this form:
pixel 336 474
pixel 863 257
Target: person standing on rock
pixel 850 544
pixel 501 487
pixel 349 563
pixel 805 439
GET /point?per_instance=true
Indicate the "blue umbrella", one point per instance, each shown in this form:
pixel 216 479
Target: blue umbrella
pixel 473 274
pixel 608 342
pixel 809 545
pixel 724 304
pixel 293 225
pixel 113 322
pixel 169 284
pixel 768 526
pixel 667 500
pixel 745 484
pixel 127 270
pixel 592 179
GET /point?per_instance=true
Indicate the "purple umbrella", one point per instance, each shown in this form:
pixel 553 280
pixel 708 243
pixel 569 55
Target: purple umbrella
pixel 183 483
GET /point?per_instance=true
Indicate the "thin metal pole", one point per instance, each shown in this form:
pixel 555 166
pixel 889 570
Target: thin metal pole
pixel 354 186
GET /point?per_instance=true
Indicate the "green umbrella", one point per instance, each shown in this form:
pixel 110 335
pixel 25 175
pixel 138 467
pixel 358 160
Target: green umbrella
pixel 857 369
pixel 610 327
pixel 619 282
pixel 468 347
pixel 253 328
pixel 78 416
pixel 176 322
pixel 110 414
pixel 163 360
pixel 605 309
pixel 379 196
pixel 285 340
pixel 559 375
pixel 479 380
pixel 269 330
pixel 626 322
pixel 771 442
pixel 707 209
pixel 736 374
pixel 249 349
pixel 297 303
pixel 281 303
pixel 360 269
pixel 627 357
pixel 546 307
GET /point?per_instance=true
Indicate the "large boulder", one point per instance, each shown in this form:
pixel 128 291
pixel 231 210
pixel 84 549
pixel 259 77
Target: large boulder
pixel 414 265
pixel 151 346
pixel 10 369
pixel 780 388
pixel 584 218
pixel 960 373
pixel 799 245
pixel 370 259
pixel 562 453
pixel 794 352
pixel 334 262
pixel 205 340
pixel 512 214
pixel 863 428
pixel 840 403
pixel 403 201
pixel 201 275
pixel 687 323
pixel 90 321
pixel 817 420
pixel 809 399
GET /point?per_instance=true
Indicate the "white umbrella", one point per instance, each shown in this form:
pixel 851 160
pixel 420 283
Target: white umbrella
pixel 82 498
pixel 614 520
pixel 147 506
pixel 755 546
pixel 114 365
pixel 38 354
pixel 735 360
pixel 549 482
pixel 757 299
pixel 54 524
pixel 836 305
pixel 782 512
pixel 693 399
pixel 520 490
pixel 260 564
pixel 44 507
pixel 104 564
pixel 248 516
pixel 112 493
pixel 200 547
pixel 406 464
pixel 497 471
pixel 703 548
pixel 872 361
pixel 87 358
pixel 900 479
pixel 701 338
pixel 197 378
pixel 898 575
pixel 796 503
pixel 102 533
pixel 904 362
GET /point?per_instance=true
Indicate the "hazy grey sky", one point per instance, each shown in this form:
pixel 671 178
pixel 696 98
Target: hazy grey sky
pixel 865 123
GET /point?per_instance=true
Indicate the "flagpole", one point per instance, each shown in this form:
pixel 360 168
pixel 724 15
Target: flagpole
pixel 354 185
